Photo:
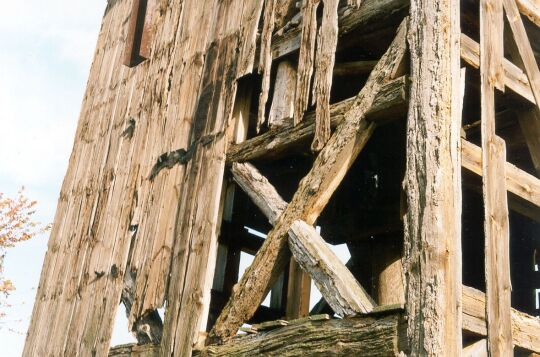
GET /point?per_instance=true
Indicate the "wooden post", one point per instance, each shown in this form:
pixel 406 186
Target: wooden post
pixel 432 225
pixel 283 101
pixel 497 254
pixel 298 292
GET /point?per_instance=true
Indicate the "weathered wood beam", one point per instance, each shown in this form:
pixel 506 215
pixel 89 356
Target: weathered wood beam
pixel 335 282
pixel 370 16
pixel 365 336
pixel 518 181
pixel 531 9
pixel 313 193
pixel 298 291
pixel 514 78
pixel 525 328
pixel 389 103
pixel 283 98
pixel 496 221
pixel 477 349
pixel 524 46
pixel 432 183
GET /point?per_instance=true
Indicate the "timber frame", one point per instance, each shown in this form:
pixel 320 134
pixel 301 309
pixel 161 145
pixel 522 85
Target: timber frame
pixel 203 118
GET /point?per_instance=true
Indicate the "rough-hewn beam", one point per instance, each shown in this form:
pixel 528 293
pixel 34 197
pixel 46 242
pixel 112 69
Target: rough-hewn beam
pixel 390 103
pixel 477 349
pixel 518 181
pixel 313 193
pixel 496 225
pixel 531 9
pixel 365 336
pixel 525 328
pixel 524 46
pixel 370 16
pixel 514 77
pixel 335 282
pixel 432 223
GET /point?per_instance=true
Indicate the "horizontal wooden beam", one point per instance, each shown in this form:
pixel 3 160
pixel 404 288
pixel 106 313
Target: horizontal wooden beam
pixel 390 103
pixel 518 181
pixel 514 77
pixel 525 328
pixel 372 15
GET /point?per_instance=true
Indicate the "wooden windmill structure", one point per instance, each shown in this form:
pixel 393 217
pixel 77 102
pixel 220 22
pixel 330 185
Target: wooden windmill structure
pixel 407 129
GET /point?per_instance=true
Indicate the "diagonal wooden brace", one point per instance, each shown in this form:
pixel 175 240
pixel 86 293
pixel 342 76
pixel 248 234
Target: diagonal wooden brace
pixel 313 193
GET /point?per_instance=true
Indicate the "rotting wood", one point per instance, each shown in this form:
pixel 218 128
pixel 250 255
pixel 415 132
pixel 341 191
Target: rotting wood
pixel 496 224
pixel 366 336
pixel 265 63
pixel 525 328
pixel 324 67
pixel 335 282
pixel 282 108
pixel 306 58
pixel 389 103
pixel 518 181
pixel 372 15
pixel 514 78
pixel 432 224
pixel 313 193
pixel 524 47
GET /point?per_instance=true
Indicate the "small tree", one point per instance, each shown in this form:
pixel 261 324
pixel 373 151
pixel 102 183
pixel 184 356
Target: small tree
pixel 17 224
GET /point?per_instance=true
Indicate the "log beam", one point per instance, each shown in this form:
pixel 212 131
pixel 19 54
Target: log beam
pixel 389 103
pixel 313 193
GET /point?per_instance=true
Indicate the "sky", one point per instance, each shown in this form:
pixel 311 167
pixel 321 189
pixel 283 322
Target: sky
pixel 46 48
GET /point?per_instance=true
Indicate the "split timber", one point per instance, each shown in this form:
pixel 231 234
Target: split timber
pixel 185 96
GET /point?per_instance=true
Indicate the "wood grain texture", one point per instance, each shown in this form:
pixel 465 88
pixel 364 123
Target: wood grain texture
pixel 335 282
pixel 514 78
pixel 265 62
pixel 313 193
pixel 525 328
pixel 524 46
pixel 496 224
pixel 324 67
pixel 390 103
pixel 531 9
pixel 432 224
pixel 282 109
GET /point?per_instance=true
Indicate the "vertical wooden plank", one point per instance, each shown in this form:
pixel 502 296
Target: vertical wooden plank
pixel 265 62
pixel 324 68
pixel 134 33
pixel 282 107
pixel 432 224
pixel 148 29
pixel 492 39
pixel 497 263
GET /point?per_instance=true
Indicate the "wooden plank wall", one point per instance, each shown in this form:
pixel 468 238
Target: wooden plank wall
pixel 113 216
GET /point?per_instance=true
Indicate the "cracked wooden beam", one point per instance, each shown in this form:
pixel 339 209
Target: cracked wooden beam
pixel 313 193
pixel 389 103
pixel 334 280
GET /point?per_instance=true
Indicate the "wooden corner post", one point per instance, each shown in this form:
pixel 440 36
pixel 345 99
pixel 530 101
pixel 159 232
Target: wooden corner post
pixel 432 223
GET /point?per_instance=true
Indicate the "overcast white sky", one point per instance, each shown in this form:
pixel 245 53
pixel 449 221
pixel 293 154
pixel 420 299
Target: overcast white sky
pixel 46 48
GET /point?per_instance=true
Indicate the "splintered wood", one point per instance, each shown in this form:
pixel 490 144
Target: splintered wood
pixel 313 193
